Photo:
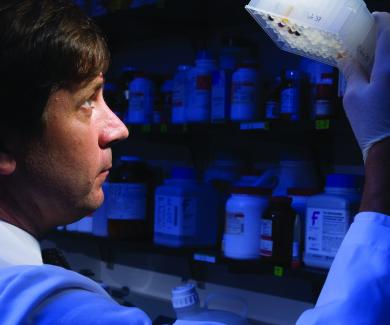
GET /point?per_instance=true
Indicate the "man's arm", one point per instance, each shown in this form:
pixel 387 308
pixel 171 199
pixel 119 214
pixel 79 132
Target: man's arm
pixel 376 196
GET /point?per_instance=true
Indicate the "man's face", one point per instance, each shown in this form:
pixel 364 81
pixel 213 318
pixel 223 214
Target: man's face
pixel 65 169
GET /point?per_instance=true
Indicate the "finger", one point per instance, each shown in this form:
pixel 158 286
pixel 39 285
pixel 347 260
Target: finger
pixel 353 73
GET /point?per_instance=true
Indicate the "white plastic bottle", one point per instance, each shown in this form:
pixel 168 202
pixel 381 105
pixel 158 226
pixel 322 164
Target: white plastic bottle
pixel 180 94
pixel 245 92
pixel 141 101
pixel 328 217
pixel 222 85
pixel 186 303
pixel 244 210
pixel 200 86
pixel 186 211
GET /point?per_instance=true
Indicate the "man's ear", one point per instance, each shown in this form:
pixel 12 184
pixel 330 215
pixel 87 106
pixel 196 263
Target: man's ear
pixel 7 163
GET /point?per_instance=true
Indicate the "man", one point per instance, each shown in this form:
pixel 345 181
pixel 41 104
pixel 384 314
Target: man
pixel 357 290
pixel 55 137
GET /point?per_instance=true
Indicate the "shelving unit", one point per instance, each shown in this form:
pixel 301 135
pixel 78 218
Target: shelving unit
pixel 202 265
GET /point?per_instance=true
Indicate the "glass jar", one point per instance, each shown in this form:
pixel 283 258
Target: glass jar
pixel 277 231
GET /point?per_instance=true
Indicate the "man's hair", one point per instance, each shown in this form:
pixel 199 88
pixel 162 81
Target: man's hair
pixel 45 45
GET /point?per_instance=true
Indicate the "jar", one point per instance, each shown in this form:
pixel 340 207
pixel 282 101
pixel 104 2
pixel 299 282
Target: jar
pixel 244 211
pixel 277 231
pixel 328 217
pixel 245 88
pixel 186 211
pixel 128 200
pixel 200 87
pixel 324 104
pixel 291 95
pixel 141 100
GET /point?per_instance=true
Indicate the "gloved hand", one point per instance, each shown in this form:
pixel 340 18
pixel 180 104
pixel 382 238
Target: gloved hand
pixel 367 99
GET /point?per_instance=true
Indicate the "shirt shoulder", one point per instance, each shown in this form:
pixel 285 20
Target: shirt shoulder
pixel 52 295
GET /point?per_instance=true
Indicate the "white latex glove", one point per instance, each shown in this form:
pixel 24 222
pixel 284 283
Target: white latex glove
pixel 367 99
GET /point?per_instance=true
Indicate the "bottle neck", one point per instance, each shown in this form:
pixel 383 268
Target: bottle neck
pixel 182 313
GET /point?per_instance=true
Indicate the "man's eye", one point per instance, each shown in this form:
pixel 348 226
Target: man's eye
pixel 88 104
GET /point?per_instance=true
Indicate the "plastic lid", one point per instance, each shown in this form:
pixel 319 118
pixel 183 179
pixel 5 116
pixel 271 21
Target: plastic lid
pixel 344 181
pixel 183 173
pixel 252 190
pixel 184 296
pixel 302 191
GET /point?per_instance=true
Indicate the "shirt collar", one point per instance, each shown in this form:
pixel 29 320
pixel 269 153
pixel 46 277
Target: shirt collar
pixel 17 247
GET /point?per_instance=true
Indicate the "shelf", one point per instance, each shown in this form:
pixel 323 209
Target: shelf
pixel 255 127
pixel 202 265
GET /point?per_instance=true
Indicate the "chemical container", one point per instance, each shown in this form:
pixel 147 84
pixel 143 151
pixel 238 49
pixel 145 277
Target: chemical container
pixel 244 211
pixel 180 94
pixel 245 92
pixel 322 30
pixel 128 200
pixel 277 227
pixel 186 303
pixel 141 100
pixel 200 86
pixel 186 211
pixel 328 217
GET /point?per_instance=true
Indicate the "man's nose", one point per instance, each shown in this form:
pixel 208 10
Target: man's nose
pixel 113 129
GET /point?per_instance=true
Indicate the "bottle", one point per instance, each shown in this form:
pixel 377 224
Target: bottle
pixel 141 100
pixel 127 207
pixel 291 95
pixel 324 104
pixel 277 231
pixel 222 85
pixel 186 304
pixel 200 86
pixel 180 95
pixel 328 218
pixel 245 89
pixel 272 103
pixel 186 211
pixel 299 197
pixel 163 103
pixel 244 211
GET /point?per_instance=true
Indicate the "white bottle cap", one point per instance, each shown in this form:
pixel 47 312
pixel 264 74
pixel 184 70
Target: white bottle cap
pixel 184 296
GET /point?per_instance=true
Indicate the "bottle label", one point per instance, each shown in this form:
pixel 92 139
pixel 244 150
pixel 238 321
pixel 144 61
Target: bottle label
pixel 290 101
pixel 179 96
pixel 244 93
pixel 235 223
pixel 266 243
pixel 323 107
pixel 295 250
pixel 127 201
pixel 219 96
pixel 272 110
pixel 175 215
pixel 325 230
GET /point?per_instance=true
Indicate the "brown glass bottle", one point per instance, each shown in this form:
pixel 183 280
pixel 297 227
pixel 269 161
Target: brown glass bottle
pixel 277 231
pixel 129 201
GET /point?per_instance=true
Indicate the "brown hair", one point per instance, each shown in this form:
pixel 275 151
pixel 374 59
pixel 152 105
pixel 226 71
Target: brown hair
pixel 44 45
